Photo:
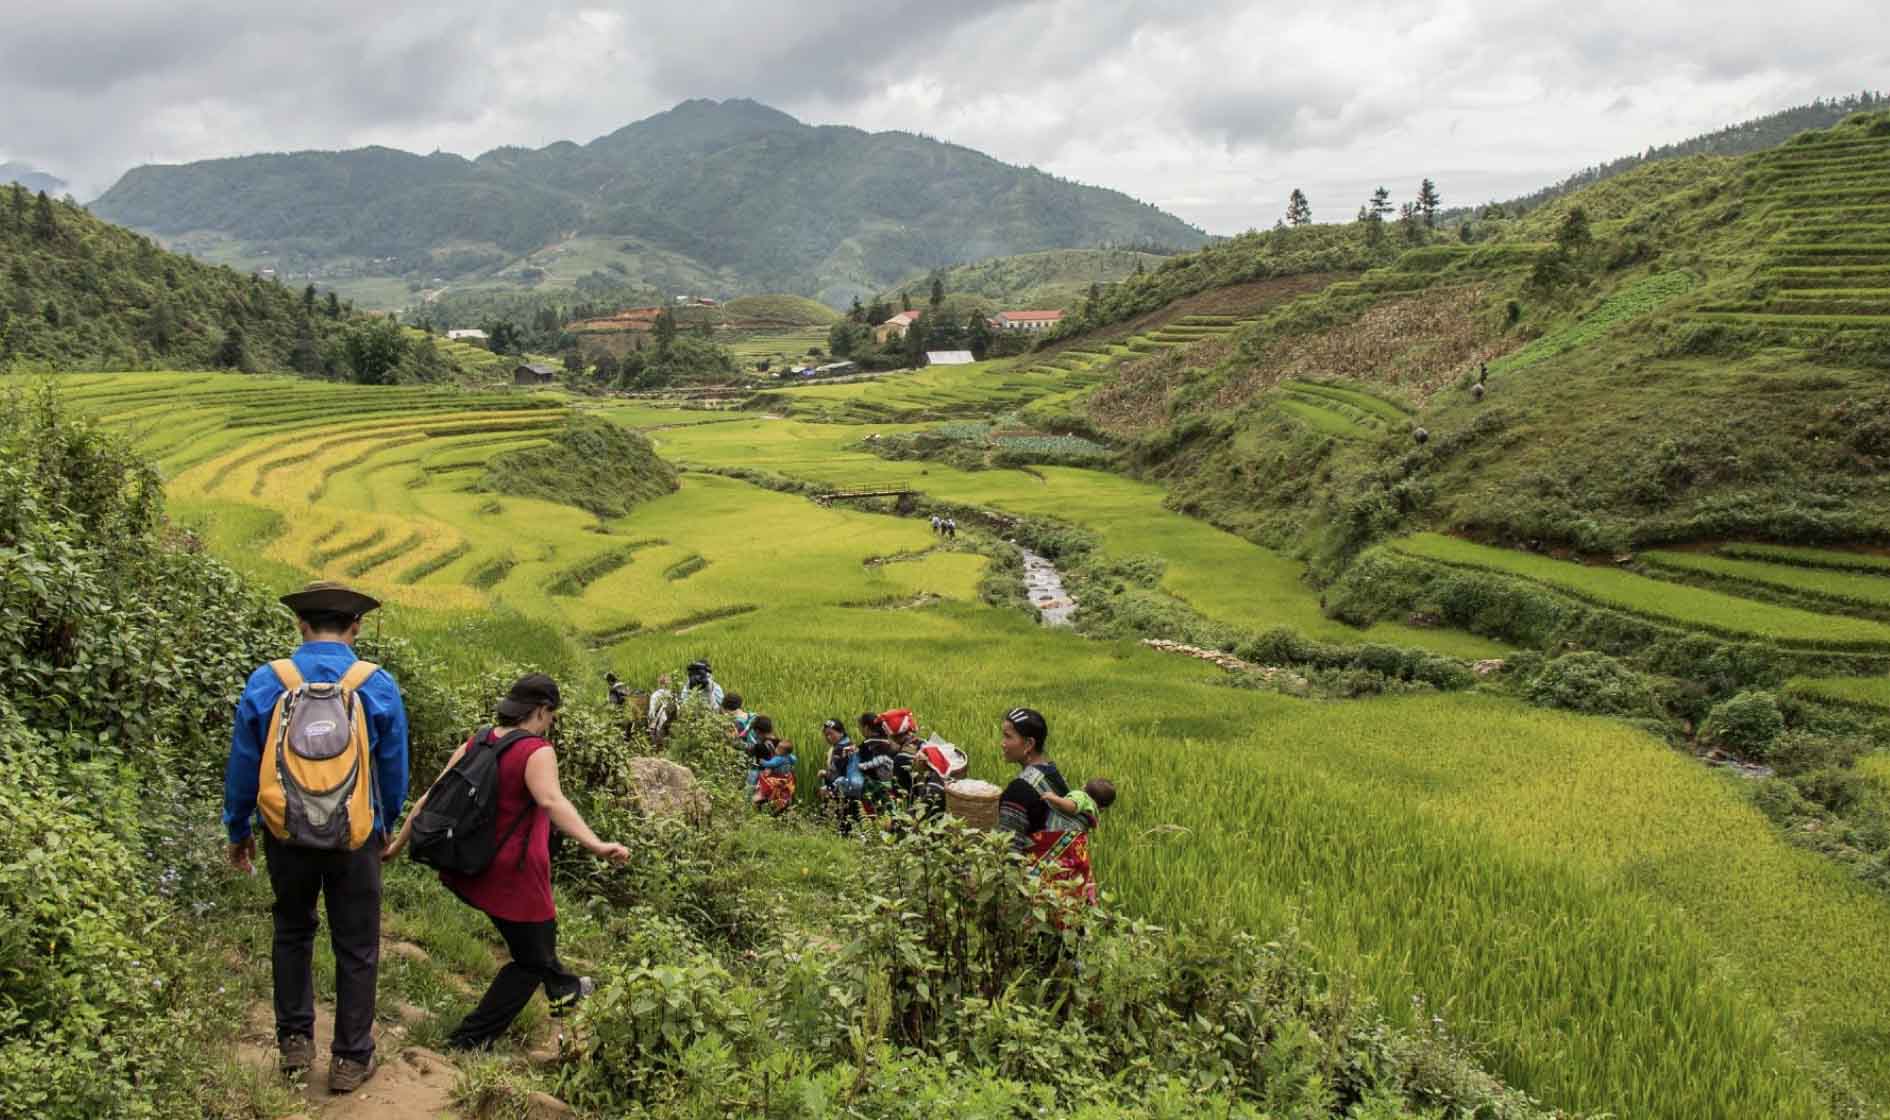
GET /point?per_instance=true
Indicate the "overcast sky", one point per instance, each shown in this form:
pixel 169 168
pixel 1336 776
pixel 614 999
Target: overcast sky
pixel 1211 109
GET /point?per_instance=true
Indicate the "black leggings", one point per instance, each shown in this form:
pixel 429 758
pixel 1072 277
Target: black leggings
pixel 534 948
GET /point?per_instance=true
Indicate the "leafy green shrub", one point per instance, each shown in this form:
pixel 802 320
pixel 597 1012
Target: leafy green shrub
pixel 1800 752
pixel 1595 683
pixel 1747 723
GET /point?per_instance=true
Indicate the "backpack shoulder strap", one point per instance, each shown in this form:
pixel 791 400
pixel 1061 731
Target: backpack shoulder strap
pixel 503 744
pixel 358 674
pixel 287 673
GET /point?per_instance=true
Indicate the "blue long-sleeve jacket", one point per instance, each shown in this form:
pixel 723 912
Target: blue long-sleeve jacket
pixel 387 735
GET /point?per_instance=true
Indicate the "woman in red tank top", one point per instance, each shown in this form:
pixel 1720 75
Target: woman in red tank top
pixel 515 889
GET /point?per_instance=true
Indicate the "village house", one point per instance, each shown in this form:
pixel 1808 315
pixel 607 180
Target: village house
pixel 1026 320
pixel 467 334
pixel 949 358
pixel 895 327
pixel 534 373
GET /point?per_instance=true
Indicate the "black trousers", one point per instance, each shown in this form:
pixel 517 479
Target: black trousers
pixel 534 949
pixel 351 883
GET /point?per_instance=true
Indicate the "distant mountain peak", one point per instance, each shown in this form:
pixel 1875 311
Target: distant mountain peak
pixel 727 196
pixel 30 177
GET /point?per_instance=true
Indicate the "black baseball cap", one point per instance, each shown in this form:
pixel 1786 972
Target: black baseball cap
pixel 529 693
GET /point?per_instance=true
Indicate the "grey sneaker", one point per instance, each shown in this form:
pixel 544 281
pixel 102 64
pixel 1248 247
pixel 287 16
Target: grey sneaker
pixel 345 1075
pixel 295 1053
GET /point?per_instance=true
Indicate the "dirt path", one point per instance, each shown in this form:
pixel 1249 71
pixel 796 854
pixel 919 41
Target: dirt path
pixel 409 1083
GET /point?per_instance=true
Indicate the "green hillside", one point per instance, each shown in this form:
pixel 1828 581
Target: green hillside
pixel 733 192
pixel 786 310
pixel 1744 138
pixel 1693 356
pixel 79 293
pixel 1056 278
pixel 76 292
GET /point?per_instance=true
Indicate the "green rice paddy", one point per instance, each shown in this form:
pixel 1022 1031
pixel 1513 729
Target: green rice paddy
pixel 1611 925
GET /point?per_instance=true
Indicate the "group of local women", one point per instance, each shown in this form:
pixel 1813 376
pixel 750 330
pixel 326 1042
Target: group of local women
pixel 894 766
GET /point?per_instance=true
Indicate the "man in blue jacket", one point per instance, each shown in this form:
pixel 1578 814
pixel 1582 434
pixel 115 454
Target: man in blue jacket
pixel 329 616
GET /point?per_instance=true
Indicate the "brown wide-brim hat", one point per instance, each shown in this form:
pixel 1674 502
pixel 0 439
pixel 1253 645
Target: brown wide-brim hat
pixel 326 595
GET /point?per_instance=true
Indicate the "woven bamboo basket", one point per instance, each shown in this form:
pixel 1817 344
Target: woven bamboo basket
pixel 974 802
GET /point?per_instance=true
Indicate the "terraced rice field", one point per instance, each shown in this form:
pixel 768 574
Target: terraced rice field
pixel 1340 411
pixel 1829 266
pixel 779 348
pixel 1841 588
pixel 1629 302
pixel 1561 890
pixel 978 389
pixel 1810 557
pixel 1861 692
pixel 1679 604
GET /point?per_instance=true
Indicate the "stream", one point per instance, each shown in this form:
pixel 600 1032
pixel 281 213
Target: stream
pixel 1043 584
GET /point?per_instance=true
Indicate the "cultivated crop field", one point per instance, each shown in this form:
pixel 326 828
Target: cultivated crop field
pixel 1613 925
pixel 1688 606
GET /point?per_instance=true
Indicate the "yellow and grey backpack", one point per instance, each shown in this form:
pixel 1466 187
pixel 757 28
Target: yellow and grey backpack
pixel 317 788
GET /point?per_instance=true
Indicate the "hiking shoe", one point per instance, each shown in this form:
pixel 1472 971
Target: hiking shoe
pixel 295 1053
pixel 345 1075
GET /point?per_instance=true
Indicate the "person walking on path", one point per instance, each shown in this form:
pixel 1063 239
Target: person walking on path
pixel 319 711
pixel 515 888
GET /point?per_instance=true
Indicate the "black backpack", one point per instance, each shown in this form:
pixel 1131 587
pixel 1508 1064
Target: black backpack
pixel 457 829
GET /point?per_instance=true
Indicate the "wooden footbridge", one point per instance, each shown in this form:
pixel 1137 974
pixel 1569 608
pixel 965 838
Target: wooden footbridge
pixel 875 492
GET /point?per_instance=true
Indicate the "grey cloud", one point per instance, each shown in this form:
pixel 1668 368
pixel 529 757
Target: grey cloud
pixel 1167 100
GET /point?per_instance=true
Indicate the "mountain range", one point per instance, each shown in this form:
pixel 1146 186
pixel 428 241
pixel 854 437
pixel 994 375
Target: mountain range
pixel 714 196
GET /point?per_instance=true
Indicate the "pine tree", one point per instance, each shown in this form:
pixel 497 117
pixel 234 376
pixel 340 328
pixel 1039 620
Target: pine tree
pixel 1381 202
pixel 1298 210
pixel 333 306
pixel 856 313
pixel 938 291
pixel 978 333
pixel 19 207
pixel 1428 201
pixel 664 332
pixel 45 225
pixel 308 300
pixel 233 351
pixel 305 357
pixel 905 300
pixel 1574 234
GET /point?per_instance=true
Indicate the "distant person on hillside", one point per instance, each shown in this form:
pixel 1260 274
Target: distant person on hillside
pixel 951 528
pixel 619 691
pixel 514 890
pixel 1054 842
pixel 938 523
pixel 316 721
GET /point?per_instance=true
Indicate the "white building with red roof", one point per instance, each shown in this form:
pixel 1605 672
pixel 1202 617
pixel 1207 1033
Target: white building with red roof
pixel 1026 320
